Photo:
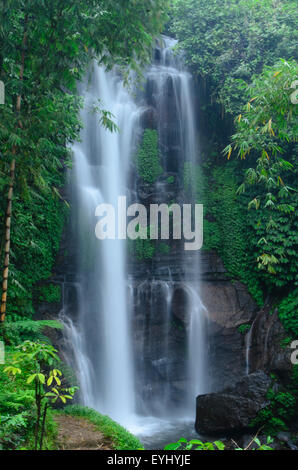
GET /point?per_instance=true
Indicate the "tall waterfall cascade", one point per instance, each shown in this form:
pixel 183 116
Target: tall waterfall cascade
pixel 137 335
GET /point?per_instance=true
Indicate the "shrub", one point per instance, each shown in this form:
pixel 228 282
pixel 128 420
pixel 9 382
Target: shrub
pixel 148 163
pixel 121 438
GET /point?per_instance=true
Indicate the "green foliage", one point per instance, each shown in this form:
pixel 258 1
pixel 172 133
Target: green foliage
pixel 250 216
pixel 239 66
pixel 45 49
pixel 170 179
pixel 276 416
pixel 16 408
pixel 268 120
pixel 163 248
pixel 260 446
pixel 225 222
pixel 288 313
pixel 142 248
pixel 49 293
pixel 222 207
pixel 265 131
pixel 50 434
pixel 145 249
pixel 196 444
pixel 18 393
pixel 232 40
pixel 243 329
pixel 120 437
pixel 241 235
pixel 177 325
pixel 274 238
pixel 285 342
pixel 16 332
pixel 36 362
pixel 113 32
pixel 13 429
pixel 37 224
pixel 294 380
pixel 148 163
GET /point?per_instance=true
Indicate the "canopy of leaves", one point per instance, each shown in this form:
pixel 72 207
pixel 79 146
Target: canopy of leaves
pixel 45 48
pixel 266 134
pixel 233 39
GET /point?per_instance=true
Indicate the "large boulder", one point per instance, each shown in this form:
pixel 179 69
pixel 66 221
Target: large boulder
pixel 267 351
pixel 232 409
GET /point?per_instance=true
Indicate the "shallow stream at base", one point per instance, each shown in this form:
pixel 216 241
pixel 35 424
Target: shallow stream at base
pixel 156 433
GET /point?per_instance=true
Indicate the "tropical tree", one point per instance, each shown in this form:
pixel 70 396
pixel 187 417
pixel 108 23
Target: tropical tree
pixel 45 48
pixel 229 40
pixel 266 135
pixel 36 361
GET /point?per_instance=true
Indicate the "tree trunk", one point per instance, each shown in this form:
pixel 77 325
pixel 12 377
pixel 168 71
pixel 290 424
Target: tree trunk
pixel 7 242
pixel 10 192
pixel 38 410
pixel 43 425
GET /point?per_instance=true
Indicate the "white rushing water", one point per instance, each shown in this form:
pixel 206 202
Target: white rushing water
pixel 100 337
pixel 173 98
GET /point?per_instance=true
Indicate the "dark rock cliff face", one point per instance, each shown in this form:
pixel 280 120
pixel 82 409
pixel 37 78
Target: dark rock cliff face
pixel 241 366
pixel 165 374
pixel 232 409
pixel 158 299
pixel 228 306
pixel 266 350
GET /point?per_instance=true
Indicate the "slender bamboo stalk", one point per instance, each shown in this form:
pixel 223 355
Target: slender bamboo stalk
pixel 10 192
pixel 37 424
pixel 7 242
pixel 43 425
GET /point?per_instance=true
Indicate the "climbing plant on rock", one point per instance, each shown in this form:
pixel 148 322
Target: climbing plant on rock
pixel 148 161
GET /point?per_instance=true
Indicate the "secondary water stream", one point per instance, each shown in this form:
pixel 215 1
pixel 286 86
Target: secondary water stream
pixel 123 339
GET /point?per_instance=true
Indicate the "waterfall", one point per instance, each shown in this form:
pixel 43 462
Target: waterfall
pixel 101 335
pixel 197 358
pixel 167 366
pixel 137 337
pixel 248 345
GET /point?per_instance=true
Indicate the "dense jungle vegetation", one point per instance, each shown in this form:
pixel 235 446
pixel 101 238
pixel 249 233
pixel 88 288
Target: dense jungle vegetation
pixel 243 55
